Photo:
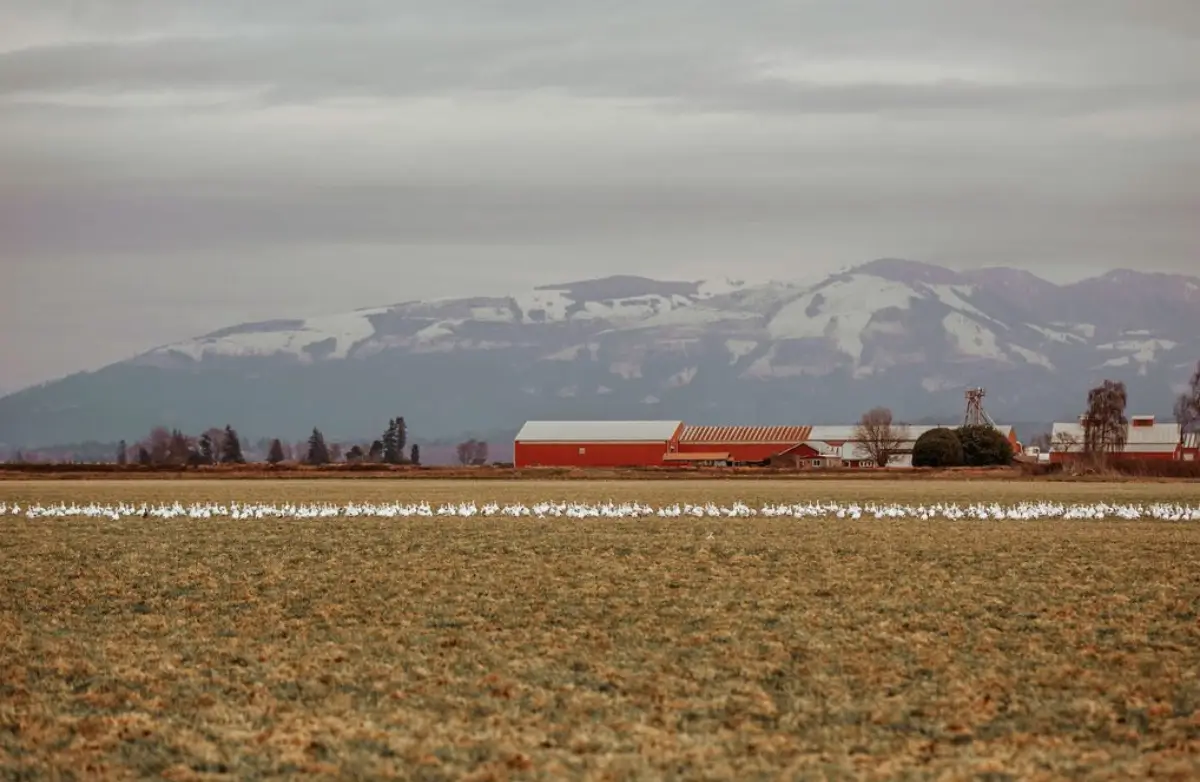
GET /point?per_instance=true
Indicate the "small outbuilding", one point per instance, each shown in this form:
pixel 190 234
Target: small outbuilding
pixel 1190 447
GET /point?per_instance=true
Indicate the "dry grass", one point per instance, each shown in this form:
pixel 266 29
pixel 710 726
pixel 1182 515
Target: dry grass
pixel 494 649
pixel 1023 471
pixel 663 491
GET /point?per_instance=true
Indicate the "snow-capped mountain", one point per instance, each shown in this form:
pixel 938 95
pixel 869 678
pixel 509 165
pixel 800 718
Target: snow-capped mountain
pixel 905 334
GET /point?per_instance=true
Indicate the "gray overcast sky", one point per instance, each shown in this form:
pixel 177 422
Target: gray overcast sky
pixel 168 168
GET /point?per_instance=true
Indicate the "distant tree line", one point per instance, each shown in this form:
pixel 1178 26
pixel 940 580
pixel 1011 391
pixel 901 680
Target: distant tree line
pixel 217 446
pixel 164 447
pixel 172 447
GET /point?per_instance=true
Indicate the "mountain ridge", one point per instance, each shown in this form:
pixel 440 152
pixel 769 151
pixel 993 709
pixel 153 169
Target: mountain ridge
pixel 908 334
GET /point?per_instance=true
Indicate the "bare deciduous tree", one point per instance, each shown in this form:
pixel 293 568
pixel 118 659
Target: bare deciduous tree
pixel 1104 424
pixel 1041 441
pixel 1065 442
pixel 1187 406
pixel 158 445
pixel 878 437
pixel 216 441
pixel 472 452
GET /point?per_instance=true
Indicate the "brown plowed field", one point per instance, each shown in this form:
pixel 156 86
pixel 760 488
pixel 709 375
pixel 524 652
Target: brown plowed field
pixel 652 649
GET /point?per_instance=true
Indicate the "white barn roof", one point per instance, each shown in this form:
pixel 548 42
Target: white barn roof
pixel 597 431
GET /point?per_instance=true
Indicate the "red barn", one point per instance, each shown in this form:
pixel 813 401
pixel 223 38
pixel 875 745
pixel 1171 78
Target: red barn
pixel 743 443
pixel 595 443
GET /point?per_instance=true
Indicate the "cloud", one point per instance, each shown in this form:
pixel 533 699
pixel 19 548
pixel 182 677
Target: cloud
pixel 569 138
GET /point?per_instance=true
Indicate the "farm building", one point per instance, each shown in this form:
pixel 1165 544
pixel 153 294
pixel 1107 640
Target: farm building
pixel 1144 439
pixel 595 443
pixel 747 444
pixel 801 446
pixel 671 443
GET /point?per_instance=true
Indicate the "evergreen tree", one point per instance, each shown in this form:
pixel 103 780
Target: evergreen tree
pixel 122 453
pixel 391 443
pixel 231 447
pixel 275 452
pixel 984 446
pixel 355 454
pixel 144 456
pixel 318 453
pixel 401 430
pixel 375 454
pixel 414 455
pixel 204 447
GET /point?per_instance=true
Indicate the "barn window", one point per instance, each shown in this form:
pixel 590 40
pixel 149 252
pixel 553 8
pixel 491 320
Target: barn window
pixel 582 451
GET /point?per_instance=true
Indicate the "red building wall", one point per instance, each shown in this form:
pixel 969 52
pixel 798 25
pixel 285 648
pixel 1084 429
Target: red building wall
pixel 1150 456
pixel 636 454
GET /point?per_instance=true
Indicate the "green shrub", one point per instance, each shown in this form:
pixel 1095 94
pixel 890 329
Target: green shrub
pixel 937 448
pixel 984 446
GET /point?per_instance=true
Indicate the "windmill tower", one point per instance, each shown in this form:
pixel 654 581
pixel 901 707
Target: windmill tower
pixel 976 415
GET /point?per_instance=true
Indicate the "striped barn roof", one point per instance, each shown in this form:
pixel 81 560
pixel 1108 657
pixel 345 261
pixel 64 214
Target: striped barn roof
pixel 788 435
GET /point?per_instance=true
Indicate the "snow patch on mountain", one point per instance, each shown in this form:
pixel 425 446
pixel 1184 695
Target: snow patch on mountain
pixel 972 338
pixel 952 297
pixel 839 311
pixel 1085 330
pixel 575 352
pixel 738 348
pixel 707 289
pixel 682 378
pixel 881 327
pixel 696 316
pixel 559 305
pixel 328 336
pixel 543 306
pixel 626 369
pixel 492 314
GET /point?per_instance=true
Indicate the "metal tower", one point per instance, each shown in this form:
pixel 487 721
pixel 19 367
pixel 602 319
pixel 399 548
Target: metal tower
pixel 976 415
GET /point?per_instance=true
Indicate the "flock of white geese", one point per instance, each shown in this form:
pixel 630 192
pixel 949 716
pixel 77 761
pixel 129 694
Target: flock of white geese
pixel 1027 511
